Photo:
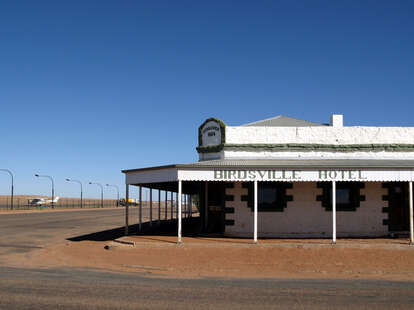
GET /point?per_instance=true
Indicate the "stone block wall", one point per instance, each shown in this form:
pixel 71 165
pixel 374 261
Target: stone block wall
pixel 305 217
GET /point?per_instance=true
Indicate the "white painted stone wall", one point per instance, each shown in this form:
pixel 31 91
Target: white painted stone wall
pixel 319 135
pixel 315 135
pixel 305 217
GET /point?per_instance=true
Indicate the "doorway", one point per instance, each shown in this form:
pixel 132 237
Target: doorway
pixel 216 204
pixel 398 207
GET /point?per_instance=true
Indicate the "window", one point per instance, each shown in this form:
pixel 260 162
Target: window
pixel 271 196
pixel 267 196
pixel 348 196
pixel 343 196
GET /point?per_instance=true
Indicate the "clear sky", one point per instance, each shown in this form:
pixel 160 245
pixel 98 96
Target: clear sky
pixel 88 88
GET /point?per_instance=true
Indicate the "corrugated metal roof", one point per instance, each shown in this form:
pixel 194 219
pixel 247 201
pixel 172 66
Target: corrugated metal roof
pixel 300 164
pixel 149 168
pixel 294 164
pixel 283 121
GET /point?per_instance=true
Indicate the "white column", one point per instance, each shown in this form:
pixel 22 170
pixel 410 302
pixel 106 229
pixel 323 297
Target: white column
pixel 126 209
pixel 179 210
pixel 410 186
pixel 255 213
pixel 150 194
pixel 140 209
pixel 333 212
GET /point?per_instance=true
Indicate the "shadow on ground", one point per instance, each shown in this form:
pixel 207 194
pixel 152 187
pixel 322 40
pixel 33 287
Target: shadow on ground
pixel 191 227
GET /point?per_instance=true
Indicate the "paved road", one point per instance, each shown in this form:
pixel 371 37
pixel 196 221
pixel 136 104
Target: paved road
pixel 27 231
pixel 88 289
pixel 85 289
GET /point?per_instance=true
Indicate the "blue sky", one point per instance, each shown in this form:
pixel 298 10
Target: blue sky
pixel 88 88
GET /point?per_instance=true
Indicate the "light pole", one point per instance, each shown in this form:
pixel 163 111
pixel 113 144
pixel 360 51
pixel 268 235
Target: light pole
pixel 100 185
pixel 117 189
pixel 80 183
pixel 53 186
pixel 12 186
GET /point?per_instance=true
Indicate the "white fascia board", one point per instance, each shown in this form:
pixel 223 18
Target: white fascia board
pixel 152 176
pixel 299 175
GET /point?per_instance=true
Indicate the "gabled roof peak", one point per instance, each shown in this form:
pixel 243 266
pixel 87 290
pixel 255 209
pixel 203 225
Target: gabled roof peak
pixel 283 121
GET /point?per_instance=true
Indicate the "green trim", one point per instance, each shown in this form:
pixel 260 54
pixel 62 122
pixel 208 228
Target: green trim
pixel 307 147
pixel 222 129
pixel 210 149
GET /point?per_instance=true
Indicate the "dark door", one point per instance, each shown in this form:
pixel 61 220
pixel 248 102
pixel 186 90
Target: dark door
pixel 216 205
pixel 398 212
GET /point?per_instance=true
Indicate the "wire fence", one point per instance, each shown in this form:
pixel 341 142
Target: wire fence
pixel 63 203
pixel 166 210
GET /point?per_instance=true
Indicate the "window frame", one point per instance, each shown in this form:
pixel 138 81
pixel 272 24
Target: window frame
pixel 355 196
pixel 281 197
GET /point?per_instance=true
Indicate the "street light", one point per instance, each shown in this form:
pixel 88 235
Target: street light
pixel 100 185
pixel 117 189
pixel 12 186
pixel 80 183
pixel 53 186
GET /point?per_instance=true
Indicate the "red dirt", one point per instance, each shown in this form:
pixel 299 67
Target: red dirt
pixel 198 257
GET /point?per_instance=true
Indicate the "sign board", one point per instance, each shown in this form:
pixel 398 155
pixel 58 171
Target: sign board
pixel 211 134
pixel 286 175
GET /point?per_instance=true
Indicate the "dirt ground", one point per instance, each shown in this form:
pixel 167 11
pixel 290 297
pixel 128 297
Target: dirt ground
pixel 161 256
pixel 197 257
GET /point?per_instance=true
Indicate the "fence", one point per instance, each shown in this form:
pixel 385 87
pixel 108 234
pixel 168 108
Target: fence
pixel 167 210
pixel 20 203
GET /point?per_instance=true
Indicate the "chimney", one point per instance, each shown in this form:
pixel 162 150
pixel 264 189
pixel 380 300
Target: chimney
pixel 337 120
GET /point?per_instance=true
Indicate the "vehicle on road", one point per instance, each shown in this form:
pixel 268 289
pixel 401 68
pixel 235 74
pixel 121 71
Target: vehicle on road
pixel 42 201
pixel 131 202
